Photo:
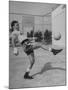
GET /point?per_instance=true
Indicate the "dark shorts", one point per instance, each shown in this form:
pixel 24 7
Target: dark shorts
pixel 28 48
pixel 28 52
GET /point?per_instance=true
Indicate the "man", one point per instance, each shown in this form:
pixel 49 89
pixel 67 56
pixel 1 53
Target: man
pixel 14 34
pixel 28 46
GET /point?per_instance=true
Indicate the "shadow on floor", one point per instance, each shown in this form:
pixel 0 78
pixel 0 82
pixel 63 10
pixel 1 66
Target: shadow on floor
pixel 47 67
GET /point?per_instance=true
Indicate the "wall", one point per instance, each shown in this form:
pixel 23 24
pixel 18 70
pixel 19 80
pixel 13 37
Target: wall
pixel 47 23
pixel 38 22
pixel 42 23
pixel 59 25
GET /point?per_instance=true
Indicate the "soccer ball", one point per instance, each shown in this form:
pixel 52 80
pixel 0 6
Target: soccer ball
pixel 16 52
pixel 57 36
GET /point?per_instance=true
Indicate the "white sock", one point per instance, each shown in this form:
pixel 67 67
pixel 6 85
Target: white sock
pixel 28 69
pixel 15 50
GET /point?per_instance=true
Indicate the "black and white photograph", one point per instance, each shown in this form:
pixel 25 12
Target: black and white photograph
pixel 37 44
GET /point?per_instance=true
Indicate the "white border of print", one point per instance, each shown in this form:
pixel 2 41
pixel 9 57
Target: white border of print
pixel 4 40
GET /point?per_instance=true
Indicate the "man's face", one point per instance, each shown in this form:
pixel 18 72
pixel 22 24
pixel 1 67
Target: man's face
pixel 16 26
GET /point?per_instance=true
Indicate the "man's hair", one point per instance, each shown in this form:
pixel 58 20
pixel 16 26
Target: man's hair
pixel 12 24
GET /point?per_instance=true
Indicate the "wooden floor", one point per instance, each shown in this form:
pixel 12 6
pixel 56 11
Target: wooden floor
pixel 48 70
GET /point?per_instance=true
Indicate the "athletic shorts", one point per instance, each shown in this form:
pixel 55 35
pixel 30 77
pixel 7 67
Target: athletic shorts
pixel 28 48
pixel 29 51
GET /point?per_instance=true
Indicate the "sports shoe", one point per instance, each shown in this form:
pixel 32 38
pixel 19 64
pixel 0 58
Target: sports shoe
pixel 55 52
pixel 26 76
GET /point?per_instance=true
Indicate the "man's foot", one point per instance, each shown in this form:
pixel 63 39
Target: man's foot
pixel 56 51
pixel 26 76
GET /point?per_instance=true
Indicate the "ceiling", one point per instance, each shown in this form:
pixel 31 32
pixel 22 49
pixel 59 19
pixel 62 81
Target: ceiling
pixel 31 8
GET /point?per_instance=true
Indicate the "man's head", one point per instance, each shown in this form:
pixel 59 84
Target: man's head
pixel 15 25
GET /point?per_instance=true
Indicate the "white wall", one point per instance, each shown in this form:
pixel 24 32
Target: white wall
pixel 58 24
pixel 38 22
pixel 47 23
pixel 27 23
pixel 42 23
